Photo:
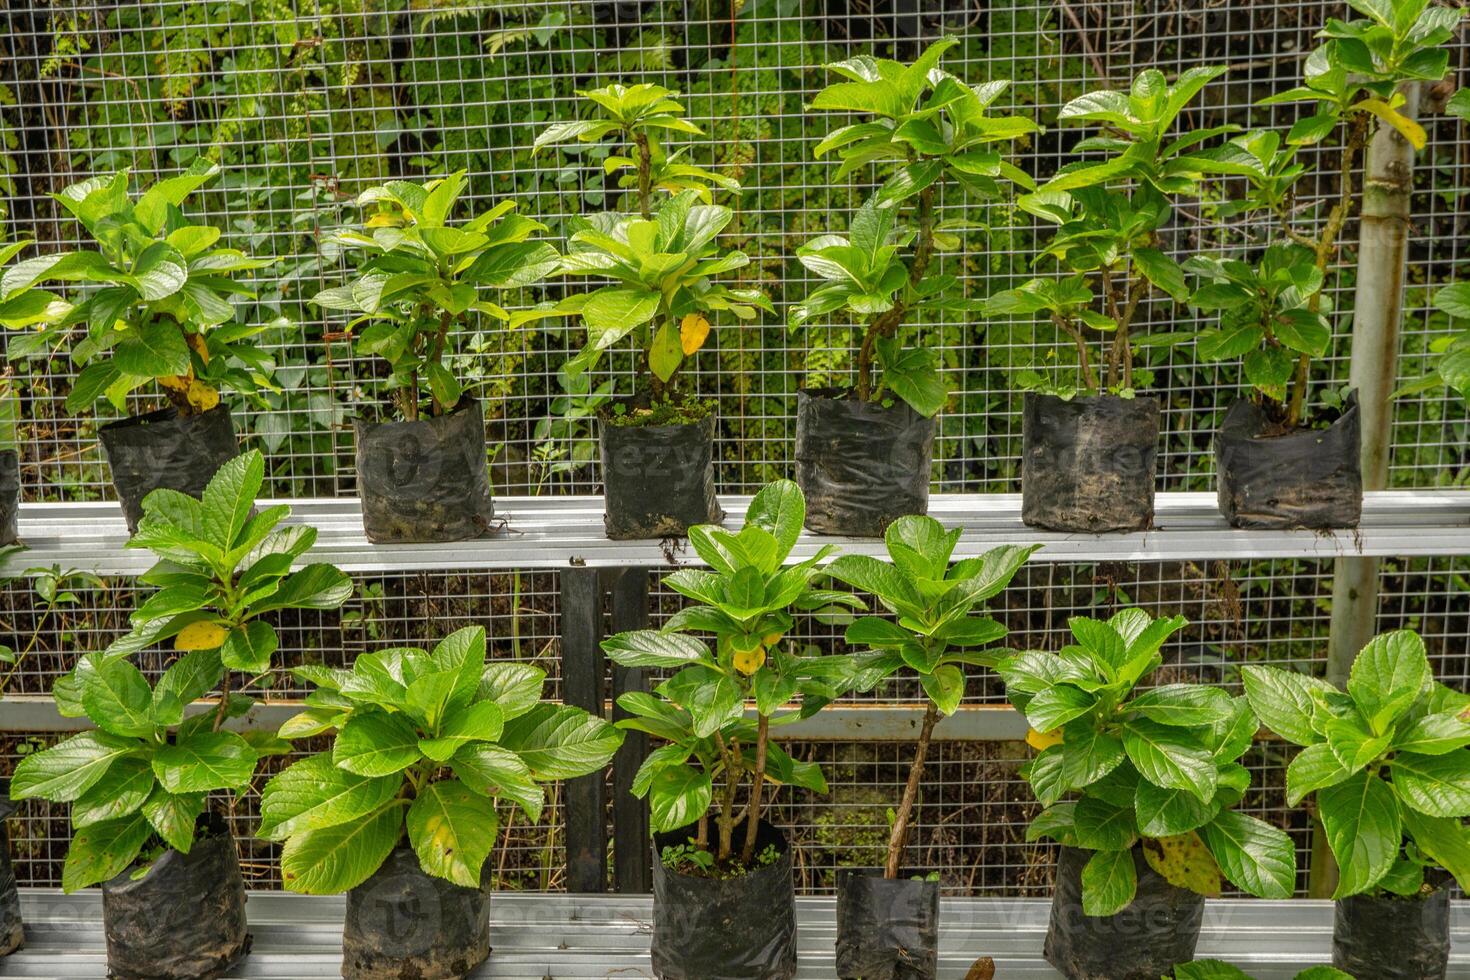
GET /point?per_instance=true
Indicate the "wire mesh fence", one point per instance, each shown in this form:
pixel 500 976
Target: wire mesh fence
pixel 306 102
pixel 971 819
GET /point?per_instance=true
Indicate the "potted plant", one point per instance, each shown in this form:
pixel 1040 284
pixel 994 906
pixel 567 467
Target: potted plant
pixel 658 443
pixel 887 925
pixel 863 454
pixel 401 813
pixel 1277 465
pixel 424 476
pixel 173 901
pixel 1138 788
pixel 1387 765
pixel 724 899
pixel 1089 440
pixel 156 310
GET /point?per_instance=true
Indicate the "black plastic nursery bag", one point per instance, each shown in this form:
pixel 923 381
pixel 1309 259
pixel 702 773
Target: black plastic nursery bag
pixel 1393 938
pixel 9 496
pixel 166 449
pixel 12 936
pixel 1088 462
pixel 658 480
pixel 886 929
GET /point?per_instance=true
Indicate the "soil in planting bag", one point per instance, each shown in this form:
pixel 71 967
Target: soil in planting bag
pixel 12 937
pixel 166 449
pixel 740 928
pixel 9 496
pixel 182 919
pixel 1310 478
pixel 426 480
pixel 658 480
pixel 1088 463
pixel 861 465
pixel 886 929
pixel 1392 938
pixel 403 923
pixel 1143 942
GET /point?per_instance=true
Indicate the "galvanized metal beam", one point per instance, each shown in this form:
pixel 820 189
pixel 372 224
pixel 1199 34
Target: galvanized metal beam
pixel 567 532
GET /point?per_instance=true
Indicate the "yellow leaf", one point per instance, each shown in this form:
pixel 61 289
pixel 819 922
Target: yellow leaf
pixel 1041 741
pixel 1184 862
pixel 693 331
pixel 771 639
pixel 202 396
pixel 175 382
pixel 384 220
pixel 750 661
pixel 1408 128
pixel 200 636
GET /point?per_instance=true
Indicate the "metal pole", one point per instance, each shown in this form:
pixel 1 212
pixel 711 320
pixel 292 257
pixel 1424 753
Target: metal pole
pixel 1378 304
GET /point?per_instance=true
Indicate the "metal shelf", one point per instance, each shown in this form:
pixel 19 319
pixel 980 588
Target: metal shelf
pixel 563 532
pixel 570 937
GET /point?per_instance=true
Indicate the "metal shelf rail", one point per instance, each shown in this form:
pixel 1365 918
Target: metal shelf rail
pixel 563 532
pixel 574 937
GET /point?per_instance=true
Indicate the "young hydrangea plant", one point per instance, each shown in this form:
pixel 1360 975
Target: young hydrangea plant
pixel 419 279
pixel 140 781
pixel 1387 760
pixel 936 632
pixel 428 744
pixel 745 600
pixel 936 131
pixel 158 303
pixel 1118 767
pixel 1351 87
pixel 661 261
pixel 1108 215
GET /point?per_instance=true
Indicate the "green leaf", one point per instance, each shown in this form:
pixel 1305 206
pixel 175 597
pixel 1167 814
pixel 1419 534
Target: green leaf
pixel 515 687
pixel 452 829
pixel 491 770
pixel 1283 700
pixel 204 761
pixel 1361 819
pixel 1258 858
pixel 103 851
pixel 1109 882
pixel 1088 754
pixel 1353 744
pixel 711 697
pixel 1170 812
pixel 116 696
pixel 155 350
pixel 1165 757
pixel 1163 272
pixel 122 791
pixel 229 498
pixel 1100 826
pixel 945 687
pixel 1435 785
pixel 1388 676
pixel 316 586
pixel 1444 840
pixel 337 858
pixel 1314 768
pixel 427 699
pixel 678 796
pixel 248 648
pixel 1434 734
pixel 479 722
pixel 315 793
pixel 651 648
pixel 561 741
pixel 68 769
pixel 1183 705
pixel 173 817
pixel 1056 705
pixel 375 743
pixel 780 509
pixel 462 653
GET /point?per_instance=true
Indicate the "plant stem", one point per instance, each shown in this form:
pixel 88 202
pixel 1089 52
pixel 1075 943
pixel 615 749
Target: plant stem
pixel 223 711
pixel 753 812
pixel 898 837
pixel 645 175
pixel 726 818
pixel 436 356
pixel 886 324
pixel 1089 381
pixel 1326 248
pixel 35 638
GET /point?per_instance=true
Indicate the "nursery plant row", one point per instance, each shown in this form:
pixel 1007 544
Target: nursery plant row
pixel 418 755
pixel 149 308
